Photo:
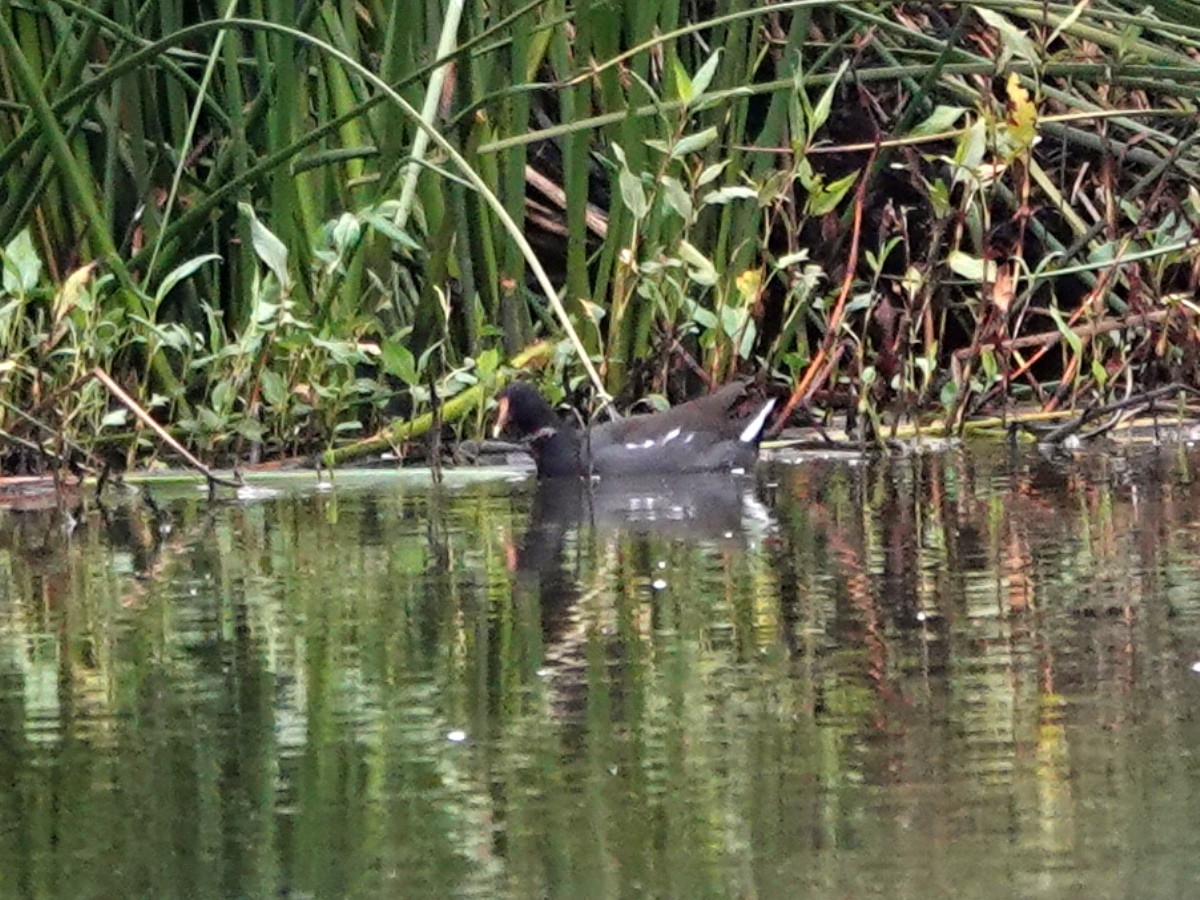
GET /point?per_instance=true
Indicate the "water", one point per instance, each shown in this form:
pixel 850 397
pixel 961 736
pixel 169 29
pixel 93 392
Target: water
pixel 970 674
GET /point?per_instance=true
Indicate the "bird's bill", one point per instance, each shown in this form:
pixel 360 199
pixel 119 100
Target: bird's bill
pixel 501 417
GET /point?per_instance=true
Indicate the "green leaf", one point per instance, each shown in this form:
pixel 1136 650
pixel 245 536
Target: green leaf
pixel 399 361
pixel 693 143
pixel 633 194
pixel 972 268
pixel 682 81
pixel 268 247
pixel 1014 41
pixel 346 232
pixel 274 389
pixel 264 312
pixel 829 196
pixel 948 395
pixel 180 273
pixel 1074 341
pixel 656 402
pixel 711 173
pixel 22 268
pixel 488 361
pixel 345 353
pixel 939 197
pixel 704 76
pixel 115 418
pixel 222 397
pixel 942 119
pixel 820 113
pixel 792 259
pixel 705 318
pixel 251 430
pixel 388 229
pixel 971 149
pixel 702 269
pixel 426 355
pixel 726 194
pixel 677 197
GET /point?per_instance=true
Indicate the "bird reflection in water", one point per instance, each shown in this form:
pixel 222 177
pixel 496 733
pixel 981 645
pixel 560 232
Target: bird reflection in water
pixel 573 524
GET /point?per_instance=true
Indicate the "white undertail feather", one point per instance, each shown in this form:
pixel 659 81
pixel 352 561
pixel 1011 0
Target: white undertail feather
pixel 751 432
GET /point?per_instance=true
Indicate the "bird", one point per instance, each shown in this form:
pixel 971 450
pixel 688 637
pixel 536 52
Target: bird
pixel 717 432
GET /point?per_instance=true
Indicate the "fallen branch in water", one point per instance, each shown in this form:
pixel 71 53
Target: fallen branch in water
pixel 1119 410
pixel 451 410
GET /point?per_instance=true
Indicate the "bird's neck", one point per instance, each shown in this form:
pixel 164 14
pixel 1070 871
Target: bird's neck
pixel 556 450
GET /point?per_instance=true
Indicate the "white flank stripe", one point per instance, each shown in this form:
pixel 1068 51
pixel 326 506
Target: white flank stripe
pixel 670 436
pixel 751 432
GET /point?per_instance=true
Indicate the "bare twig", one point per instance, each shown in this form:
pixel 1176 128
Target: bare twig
pixel 824 361
pixel 1142 401
pixel 146 419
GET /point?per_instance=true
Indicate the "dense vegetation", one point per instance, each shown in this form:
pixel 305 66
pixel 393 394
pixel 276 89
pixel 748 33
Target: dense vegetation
pixel 279 225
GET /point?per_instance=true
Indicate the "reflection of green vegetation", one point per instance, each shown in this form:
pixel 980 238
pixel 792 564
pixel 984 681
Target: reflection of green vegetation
pixel 269 696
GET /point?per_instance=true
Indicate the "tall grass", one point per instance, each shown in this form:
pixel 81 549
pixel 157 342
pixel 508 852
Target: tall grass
pixel 871 203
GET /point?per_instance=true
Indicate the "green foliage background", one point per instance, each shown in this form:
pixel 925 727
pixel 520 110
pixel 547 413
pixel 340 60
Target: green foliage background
pixel 861 201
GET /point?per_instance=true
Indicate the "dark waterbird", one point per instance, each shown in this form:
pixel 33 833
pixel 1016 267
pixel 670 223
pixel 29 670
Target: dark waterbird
pixel 719 432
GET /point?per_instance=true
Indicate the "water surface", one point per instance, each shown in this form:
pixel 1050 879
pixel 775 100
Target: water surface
pixel 970 674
